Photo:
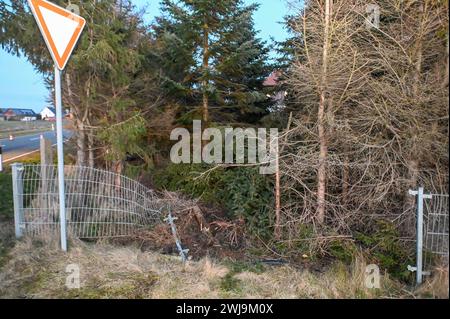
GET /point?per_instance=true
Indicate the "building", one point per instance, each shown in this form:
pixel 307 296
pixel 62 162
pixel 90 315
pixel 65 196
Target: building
pixel 278 97
pixel 48 113
pixel 2 118
pixel 19 115
pixel 273 79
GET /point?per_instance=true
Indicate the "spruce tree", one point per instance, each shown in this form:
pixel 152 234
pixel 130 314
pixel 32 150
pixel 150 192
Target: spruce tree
pixel 108 84
pixel 215 58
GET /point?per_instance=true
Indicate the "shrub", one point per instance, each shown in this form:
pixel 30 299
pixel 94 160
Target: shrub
pixel 385 249
pixel 241 191
pixel 6 198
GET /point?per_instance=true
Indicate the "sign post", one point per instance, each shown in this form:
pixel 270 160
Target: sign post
pixel 60 151
pixel 61 30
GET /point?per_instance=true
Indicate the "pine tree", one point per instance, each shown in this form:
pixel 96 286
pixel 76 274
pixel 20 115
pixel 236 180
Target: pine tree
pixel 241 66
pixel 113 86
pixel 20 36
pixel 109 84
pixel 214 56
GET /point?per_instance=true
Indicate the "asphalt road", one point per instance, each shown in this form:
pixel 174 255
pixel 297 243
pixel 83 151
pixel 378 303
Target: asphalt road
pixel 24 145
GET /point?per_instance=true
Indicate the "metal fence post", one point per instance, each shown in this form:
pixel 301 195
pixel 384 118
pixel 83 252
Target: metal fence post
pixel 183 252
pixel 17 183
pixel 419 242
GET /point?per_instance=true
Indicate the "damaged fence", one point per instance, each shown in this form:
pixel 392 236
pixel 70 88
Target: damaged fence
pixel 99 204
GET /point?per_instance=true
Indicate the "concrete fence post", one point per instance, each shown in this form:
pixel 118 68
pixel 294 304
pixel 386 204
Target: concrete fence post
pixel 17 183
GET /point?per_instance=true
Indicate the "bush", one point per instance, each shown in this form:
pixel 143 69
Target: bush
pixel 385 249
pixel 6 198
pixel 230 284
pixel 241 191
pixel 343 251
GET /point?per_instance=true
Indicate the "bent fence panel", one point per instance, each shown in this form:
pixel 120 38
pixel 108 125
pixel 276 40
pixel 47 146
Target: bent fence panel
pixel 99 204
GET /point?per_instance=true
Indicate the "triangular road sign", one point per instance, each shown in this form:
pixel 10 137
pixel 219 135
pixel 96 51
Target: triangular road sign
pixel 60 28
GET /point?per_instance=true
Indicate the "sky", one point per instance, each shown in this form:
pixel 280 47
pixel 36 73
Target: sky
pixel 22 87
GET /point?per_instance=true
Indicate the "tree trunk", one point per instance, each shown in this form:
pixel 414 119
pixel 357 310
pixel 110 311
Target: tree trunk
pixel 277 231
pixel 345 179
pixel 91 153
pixel 118 168
pixel 90 143
pixel 205 66
pixel 323 142
pixel 410 217
pixel 78 123
pixel 81 144
pixel 414 158
pixel 445 83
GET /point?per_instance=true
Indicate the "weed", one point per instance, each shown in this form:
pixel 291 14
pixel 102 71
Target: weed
pixel 231 284
pixel 6 197
pixel 384 248
pixel 244 266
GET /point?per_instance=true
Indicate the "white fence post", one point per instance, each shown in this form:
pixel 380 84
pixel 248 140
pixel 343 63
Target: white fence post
pixel 419 233
pixel 419 259
pixel 17 182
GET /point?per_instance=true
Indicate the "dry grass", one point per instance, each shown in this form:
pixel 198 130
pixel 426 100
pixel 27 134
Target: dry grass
pixel 437 286
pixel 35 271
pixel 6 238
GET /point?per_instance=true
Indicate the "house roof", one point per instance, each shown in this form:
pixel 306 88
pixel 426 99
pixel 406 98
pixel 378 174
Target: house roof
pixel 273 78
pixel 51 109
pixel 24 112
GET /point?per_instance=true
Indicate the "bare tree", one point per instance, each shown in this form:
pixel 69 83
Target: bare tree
pixel 372 114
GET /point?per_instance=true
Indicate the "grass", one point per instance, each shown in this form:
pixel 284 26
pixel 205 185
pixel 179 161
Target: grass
pixel 32 269
pixel 35 271
pixel 7 240
pixel 6 215
pixel 18 128
pixel 231 284
pixel 6 198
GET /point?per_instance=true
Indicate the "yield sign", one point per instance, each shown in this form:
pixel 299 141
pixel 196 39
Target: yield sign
pixel 59 27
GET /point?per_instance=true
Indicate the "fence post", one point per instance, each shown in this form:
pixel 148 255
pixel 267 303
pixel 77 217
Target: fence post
pixel 419 236
pixel 46 160
pixel 17 183
pixel 183 252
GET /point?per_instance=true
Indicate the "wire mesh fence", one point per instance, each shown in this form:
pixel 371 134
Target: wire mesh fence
pixel 99 204
pixel 432 223
pixel 436 227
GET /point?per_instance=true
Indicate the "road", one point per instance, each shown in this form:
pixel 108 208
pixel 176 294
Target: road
pixel 28 144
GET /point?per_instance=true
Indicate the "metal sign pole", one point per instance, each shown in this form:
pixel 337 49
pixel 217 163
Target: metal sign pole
pixel 59 141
